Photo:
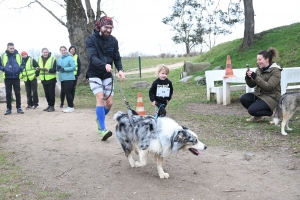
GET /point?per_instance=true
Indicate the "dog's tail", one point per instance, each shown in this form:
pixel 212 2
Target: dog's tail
pixel 118 115
pixel 278 113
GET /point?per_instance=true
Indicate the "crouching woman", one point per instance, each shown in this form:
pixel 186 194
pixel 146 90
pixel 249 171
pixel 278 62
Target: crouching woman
pixel 266 80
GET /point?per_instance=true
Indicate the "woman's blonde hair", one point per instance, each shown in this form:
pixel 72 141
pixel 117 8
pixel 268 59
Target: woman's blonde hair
pixel 161 68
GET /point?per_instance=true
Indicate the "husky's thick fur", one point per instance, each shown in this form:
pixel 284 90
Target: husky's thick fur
pixel 161 136
pixel 287 105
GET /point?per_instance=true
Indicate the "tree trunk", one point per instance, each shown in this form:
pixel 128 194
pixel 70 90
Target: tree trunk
pixel 249 24
pixel 77 28
pixel 187 49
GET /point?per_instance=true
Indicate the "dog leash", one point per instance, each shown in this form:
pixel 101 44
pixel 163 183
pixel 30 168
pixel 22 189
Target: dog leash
pixel 129 111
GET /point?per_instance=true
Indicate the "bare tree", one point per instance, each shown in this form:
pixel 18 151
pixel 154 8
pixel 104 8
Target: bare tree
pixel 194 20
pixel 183 22
pixel 79 22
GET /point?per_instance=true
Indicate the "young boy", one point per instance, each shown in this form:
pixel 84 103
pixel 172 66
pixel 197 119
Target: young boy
pixel 161 90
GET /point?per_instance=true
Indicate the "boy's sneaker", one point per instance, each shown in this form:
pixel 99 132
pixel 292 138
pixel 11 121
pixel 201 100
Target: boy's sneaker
pixel 20 111
pixel 105 134
pixel 34 107
pixel 68 110
pixel 8 112
pixel 28 107
pixel 254 119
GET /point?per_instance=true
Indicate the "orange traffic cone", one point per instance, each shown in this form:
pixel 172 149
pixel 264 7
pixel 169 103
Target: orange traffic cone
pixel 140 105
pixel 228 72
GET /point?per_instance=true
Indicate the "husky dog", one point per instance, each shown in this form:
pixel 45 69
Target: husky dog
pixel 287 105
pixel 161 136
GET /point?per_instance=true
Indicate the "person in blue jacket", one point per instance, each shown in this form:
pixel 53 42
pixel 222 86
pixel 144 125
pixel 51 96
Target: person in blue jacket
pixel 12 65
pixel 66 67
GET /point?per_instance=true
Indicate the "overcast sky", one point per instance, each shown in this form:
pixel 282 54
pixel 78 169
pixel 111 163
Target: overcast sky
pixel 138 25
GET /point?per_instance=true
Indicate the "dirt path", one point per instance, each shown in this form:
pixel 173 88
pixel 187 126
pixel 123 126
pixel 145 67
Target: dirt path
pixel 63 151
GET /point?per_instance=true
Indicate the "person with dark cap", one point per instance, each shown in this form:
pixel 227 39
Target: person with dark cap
pixel 29 76
pixel 103 50
pixel 72 51
pixel 12 65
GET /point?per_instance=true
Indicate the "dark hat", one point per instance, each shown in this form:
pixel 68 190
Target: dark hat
pixel 72 46
pixel 102 22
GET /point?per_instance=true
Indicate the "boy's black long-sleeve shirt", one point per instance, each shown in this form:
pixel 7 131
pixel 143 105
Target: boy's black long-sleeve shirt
pixel 153 91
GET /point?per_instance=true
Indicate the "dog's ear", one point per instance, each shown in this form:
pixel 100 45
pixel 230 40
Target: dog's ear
pixel 178 140
pixel 181 137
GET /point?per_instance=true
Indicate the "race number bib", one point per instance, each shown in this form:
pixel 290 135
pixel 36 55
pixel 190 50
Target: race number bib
pixel 162 91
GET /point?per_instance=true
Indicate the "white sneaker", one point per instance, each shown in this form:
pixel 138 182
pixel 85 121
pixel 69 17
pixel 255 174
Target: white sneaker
pixel 68 110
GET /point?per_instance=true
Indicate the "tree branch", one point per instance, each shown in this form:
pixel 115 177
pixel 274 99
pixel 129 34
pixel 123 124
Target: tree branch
pixel 61 5
pixel 51 13
pixel 99 11
pixel 19 8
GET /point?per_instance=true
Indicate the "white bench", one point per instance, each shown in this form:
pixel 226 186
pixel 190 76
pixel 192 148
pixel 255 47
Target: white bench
pixel 217 91
pixel 290 75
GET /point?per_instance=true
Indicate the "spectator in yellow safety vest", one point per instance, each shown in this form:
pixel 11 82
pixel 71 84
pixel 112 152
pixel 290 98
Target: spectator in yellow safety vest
pixel 47 67
pixel 29 76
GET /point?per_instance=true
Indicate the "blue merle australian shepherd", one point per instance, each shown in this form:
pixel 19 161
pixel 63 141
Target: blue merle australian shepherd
pixel 161 136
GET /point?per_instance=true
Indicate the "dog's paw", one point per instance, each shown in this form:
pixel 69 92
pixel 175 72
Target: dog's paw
pixel 137 164
pixel 284 133
pixel 132 165
pixel 164 175
pixel 289 129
